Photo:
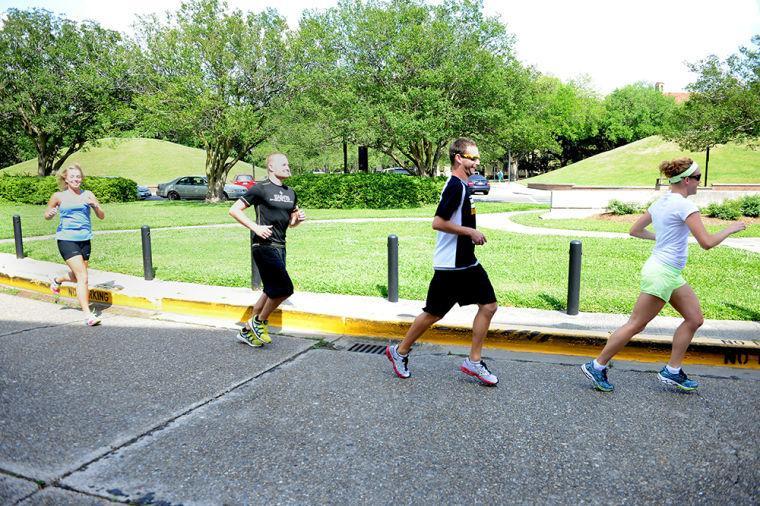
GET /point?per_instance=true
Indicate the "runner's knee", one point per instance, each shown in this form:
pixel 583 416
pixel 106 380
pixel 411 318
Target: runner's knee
pixel 695 321
pixel 489 309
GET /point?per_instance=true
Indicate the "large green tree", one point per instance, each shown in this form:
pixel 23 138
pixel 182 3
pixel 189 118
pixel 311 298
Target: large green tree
pixel 724 104
pixel 61 82
pixel 635 111
pixel 215 75
pixel 418 74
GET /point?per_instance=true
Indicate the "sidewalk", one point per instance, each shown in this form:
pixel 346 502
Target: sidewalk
pixel 718 342
pixel 503 222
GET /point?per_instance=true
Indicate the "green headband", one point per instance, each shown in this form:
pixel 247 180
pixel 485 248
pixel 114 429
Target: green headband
pixel 688 172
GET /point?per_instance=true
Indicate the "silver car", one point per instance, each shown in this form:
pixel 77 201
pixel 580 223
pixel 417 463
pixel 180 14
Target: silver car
pixel 195 187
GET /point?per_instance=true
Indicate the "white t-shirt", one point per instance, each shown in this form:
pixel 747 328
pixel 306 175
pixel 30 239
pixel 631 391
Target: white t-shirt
pixel 669 214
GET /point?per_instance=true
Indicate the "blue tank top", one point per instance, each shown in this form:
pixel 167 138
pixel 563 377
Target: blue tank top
pixel 75 224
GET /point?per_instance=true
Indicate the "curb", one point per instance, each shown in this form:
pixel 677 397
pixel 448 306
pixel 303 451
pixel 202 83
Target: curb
pixel 642 348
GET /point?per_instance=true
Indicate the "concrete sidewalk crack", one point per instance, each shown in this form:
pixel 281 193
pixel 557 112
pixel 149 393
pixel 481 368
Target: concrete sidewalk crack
pixel 166 423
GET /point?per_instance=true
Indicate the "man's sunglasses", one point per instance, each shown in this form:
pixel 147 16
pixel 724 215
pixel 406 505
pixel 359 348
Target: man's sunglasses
pixel 474 158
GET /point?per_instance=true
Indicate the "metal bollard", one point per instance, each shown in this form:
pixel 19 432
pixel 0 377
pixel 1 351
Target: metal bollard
pixel 17 236
pixel 392 268
pixel 574 278
pixel 255 276
pixel 147 252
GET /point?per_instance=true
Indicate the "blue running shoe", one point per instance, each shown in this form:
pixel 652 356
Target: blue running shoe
pixel 680 380
pixel 598 377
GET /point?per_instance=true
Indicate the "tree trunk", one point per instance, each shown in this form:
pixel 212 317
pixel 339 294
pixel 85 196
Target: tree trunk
pixel 216 172
pixel 45 156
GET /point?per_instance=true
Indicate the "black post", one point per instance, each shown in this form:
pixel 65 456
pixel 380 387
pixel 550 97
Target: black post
pixel 255 276
pixel 574 278
pixel 345 157
pixel 392 268
pixel 707 163
pixel 147 252
pixel 363 159
pixel 17 236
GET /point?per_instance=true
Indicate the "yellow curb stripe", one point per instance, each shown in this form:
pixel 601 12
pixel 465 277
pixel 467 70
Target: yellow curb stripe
pixel 703 351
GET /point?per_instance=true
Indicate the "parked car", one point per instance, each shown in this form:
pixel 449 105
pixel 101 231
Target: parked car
pixel 397 170
pixel 195 187
pixel 244 180
pixel 478 184
pixel 143 192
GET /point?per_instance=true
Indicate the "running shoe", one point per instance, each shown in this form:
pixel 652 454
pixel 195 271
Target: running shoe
pixel 680 379
pixel 92 320
pixel 598 377
pixel 480 371
pixel 261 329
pixel 55 286
pixel 400 362
pixel 245 335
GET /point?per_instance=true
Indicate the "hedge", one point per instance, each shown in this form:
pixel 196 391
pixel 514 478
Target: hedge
pixel 367 191
pixel 37 190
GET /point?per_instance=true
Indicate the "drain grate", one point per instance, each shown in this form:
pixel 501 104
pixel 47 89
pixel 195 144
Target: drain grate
pixel 374 349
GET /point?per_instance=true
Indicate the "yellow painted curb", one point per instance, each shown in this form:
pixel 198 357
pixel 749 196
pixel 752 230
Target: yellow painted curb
pixel 643 348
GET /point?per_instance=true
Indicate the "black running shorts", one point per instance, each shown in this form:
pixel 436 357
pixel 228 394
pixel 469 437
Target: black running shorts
pixel 70 249
pixel 271 264
pixel 463 287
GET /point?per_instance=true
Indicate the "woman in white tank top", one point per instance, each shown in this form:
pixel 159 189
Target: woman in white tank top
pixel 74 233
pixel 661 282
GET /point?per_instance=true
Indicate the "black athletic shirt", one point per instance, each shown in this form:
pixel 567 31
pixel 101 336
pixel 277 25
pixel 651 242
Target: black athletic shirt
pixel 273 206
pixel 452 251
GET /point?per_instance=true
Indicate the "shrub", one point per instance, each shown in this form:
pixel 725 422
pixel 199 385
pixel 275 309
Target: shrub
pixel 370 191
pixel 111 189
pixel 617 207
pixel 27 189
pixel 750 206
pixel 728 210
pixel 37 190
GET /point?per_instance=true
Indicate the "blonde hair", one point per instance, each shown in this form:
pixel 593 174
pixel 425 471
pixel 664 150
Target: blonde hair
pixel 674 167
pixel 61 176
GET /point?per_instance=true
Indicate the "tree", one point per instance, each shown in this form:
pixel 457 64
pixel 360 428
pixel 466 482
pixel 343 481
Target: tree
pixel 416 94
pixel 63 83
pixel 215 76
pixel 724 105
pixel 634 112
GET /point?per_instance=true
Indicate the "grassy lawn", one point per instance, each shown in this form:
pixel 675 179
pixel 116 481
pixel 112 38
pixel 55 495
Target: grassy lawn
pixel 623 224
pixel 351 259
pixel 146 161
pixel 166 213
pixel 636 164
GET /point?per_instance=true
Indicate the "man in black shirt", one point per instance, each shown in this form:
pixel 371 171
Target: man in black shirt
pixel 458 276
pixel 276 208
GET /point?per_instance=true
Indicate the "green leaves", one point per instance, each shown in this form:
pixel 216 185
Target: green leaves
pixel 404 77
pixel 215 76
pixel 64 83
pixel 371 191
pixel 724 105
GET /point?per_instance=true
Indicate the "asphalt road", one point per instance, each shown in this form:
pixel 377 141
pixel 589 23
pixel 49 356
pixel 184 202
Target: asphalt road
pixel 151 411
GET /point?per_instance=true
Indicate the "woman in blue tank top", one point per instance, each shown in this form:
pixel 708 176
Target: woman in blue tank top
pixel 673 218
pixel 74 233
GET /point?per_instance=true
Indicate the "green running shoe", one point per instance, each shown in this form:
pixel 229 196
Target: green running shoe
pixel 246 336
pixel 261 329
